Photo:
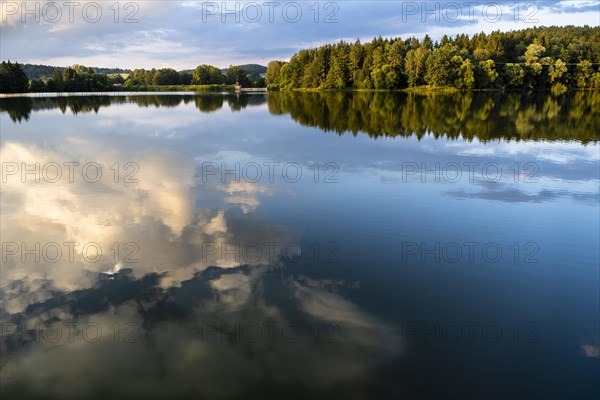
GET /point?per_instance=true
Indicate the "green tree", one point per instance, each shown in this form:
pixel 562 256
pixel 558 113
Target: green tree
pixel 513 75
pixel 166 76
pixel 415 66
pixel 486 75
pixel 557 73
pixel 185 78
pixel 481 54
pixel 12 78
pixel 442 66
pixel 466 76
pixel 71 83
pixel 51 86
pixel 310 78
pixel 355 61
pixel 584 75
pixel 236 74
pixel 115 79
pixel 321 67
pixel 395 58
pixel 427 44
pixel 260 83
pixel 207 75
pixel 37 86
pixel 338 75
pixel 274 72
pixel 58 80
pixel 81 69
pixel 534 64
pixel 383 77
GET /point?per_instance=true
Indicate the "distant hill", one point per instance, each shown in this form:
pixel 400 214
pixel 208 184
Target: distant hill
pixel 251 68
pixel 254 70
pixel 35 71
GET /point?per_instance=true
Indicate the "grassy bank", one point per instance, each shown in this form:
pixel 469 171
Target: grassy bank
pixel 416 89
pixel 433 89
pixel 429 89
pixel 180 88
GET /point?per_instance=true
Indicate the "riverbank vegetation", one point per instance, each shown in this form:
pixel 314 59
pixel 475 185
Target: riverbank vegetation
pixel 79 78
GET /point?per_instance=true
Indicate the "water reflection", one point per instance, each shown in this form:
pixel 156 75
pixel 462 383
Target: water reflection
pixel 208 337
pixel 208 267
pixel 182 303
pixel 485 116
pixel 20 108
pixel 158 213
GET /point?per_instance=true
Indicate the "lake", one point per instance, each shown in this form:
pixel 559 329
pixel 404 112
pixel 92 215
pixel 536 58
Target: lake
pixel 333 245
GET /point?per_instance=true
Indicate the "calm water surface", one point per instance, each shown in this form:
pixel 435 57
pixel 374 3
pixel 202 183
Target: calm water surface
pixel 328 245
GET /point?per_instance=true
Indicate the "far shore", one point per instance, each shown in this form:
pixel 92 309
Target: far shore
pixel 225 89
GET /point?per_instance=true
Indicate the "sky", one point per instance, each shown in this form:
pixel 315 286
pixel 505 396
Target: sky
pixel 184 34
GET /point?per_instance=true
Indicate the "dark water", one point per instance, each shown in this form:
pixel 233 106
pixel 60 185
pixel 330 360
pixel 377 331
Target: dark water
pixel 291 245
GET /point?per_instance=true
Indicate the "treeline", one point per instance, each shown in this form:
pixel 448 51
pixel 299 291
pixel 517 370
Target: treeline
pixel 39 71
pixel 12 78
pixel 203 75
pixel 545 57
pixel 79 78
pixel 255 71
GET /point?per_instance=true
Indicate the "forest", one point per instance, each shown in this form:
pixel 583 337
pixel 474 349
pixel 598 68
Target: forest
pixel 203 75
pixel 79 78
pixel 556 58
pixel 546 57
pixel 38 71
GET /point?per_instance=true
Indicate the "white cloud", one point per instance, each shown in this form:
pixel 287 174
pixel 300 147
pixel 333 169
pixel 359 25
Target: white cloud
pixel 178 35
pixel 578 3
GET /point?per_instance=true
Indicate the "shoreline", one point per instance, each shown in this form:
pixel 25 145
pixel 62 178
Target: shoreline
pixel 141 92
pixel 427 90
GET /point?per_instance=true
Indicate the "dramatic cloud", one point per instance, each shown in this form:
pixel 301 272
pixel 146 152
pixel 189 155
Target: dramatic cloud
pixel 184 34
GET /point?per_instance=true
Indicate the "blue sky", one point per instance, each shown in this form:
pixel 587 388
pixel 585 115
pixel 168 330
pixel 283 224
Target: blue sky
pixel 183 34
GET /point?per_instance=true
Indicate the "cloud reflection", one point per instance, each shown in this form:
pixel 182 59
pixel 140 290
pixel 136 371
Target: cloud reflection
pixel 170 294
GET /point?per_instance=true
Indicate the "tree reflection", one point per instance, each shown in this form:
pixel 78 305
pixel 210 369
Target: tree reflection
pixel 482 115
pixel 19 108
pixel 485 116
pixel 209 103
